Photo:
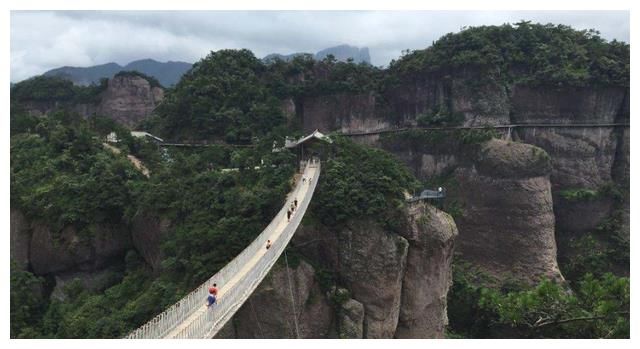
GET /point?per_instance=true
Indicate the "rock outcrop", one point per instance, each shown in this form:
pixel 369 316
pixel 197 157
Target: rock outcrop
pixel 372 266
pixel 20 234
pixel 129 99
pixel 507 221
pixel 431 237
pixel 351 320
pixel 56 252
pixel 147 234
pixel 272 312
pixel 94 257
pixel 91 281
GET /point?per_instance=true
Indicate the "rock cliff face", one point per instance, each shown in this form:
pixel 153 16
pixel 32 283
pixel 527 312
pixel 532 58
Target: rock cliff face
pixel 92 281
pixel 147 234
pixel 372 266
pixel 399 106
pixel 270 311
pixel 20 239
pixel 581 158
pixel 392 285
pixel 350 319
pixel 93 257
pixel 342 112
pixel 52 252
pixel 129 99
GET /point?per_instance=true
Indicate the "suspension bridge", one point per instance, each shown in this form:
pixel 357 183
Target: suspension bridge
pixel 191 318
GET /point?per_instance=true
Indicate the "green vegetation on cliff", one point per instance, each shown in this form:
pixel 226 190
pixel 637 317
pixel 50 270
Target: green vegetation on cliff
pixel 42 89
pixel 361 182
pixel 536 54
pixel 597 307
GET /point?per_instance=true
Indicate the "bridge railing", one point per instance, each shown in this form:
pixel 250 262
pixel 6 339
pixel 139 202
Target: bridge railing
pixel 209 321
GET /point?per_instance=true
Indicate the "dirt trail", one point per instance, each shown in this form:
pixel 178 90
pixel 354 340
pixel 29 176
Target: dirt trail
pixel 134 160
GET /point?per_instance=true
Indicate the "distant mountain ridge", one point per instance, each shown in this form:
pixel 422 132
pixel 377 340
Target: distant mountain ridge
pixel 168 73
pixel 341 53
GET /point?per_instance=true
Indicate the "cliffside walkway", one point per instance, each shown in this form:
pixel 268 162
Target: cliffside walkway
pixel 428 195
pixel 204 145
pixel 191 318
pixel 508 126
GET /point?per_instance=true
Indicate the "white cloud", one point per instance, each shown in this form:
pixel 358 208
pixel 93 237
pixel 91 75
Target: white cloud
pixel 44 40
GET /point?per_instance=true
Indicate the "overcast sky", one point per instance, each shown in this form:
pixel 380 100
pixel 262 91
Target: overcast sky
pixel 44 40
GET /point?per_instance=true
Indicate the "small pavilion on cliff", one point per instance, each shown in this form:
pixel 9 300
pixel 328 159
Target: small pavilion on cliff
pixel 310 145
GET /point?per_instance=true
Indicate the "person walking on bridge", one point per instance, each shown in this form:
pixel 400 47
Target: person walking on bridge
pixel 212 298
pixel 288 215
pixel 295 203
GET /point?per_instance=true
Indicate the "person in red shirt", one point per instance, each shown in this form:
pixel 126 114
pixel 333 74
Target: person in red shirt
pixel 213 295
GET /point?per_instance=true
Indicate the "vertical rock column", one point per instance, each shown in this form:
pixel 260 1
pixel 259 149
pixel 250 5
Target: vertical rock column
pixel 372 265
pixel 507 221
pixel 431 236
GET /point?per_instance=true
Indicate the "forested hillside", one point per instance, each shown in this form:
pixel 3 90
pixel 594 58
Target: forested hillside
pixel 62 178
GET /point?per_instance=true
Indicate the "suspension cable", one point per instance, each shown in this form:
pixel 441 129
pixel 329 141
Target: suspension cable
pixel 293 302
pixel 256 317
